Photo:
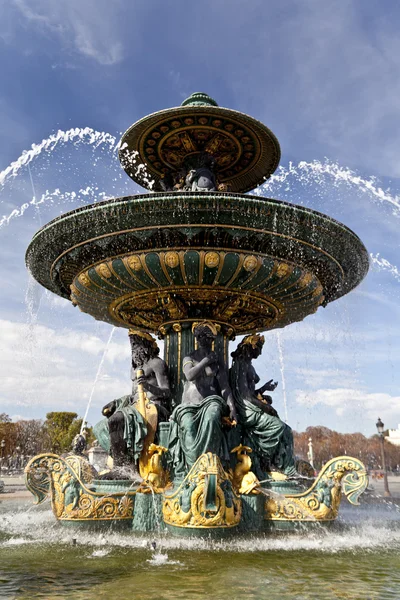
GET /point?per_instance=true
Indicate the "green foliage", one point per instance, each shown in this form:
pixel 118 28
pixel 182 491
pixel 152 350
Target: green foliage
pixel 4 418
pixel 61 428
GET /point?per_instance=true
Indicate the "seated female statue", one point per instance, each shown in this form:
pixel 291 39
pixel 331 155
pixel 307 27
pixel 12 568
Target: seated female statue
pixel 269 437
pixel 196 424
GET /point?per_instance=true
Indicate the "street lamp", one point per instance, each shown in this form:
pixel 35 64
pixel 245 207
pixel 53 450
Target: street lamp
pixel 18 450
pixel 310 453
pixel 380 427
pixel 2 446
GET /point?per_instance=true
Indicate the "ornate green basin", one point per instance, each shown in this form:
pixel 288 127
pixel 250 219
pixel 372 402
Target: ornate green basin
pixel 252 264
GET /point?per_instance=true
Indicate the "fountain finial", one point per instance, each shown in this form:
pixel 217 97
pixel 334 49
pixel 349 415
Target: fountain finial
pixel 199 99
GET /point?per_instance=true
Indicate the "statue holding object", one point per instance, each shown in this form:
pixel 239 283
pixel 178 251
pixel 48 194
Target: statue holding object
pixel 197 423
pixel 124 431
pixel 270 438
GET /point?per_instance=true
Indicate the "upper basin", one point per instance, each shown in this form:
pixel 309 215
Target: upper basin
pixel 252 263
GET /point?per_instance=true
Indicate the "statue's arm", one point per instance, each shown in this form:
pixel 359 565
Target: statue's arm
pixel 267 387
pixel 162 389
pixel 109 409
pixel 226 392
pixel 193 370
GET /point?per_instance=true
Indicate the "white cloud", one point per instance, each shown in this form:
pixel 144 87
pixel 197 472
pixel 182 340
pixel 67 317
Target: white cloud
pixel 320 376
pixel 345 400
pixel 47 369
pixel 90 27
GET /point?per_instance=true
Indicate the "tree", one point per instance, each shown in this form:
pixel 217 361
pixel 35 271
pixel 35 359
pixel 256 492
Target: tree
pixel 327 444
pixel 30 437
pixel 60 428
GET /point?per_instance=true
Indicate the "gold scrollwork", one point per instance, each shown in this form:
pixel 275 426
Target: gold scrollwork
pixel 66 481
pixel 191 506
pixel 321 501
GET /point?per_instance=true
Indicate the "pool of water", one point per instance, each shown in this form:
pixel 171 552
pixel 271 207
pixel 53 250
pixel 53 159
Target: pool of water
pixel 358 558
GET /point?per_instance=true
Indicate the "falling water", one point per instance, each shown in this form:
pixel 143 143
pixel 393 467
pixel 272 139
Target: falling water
pixel 96 379
pixel 76 135
pixel 319 170
pixel 385 265
pixel 85 135
pixel 282 367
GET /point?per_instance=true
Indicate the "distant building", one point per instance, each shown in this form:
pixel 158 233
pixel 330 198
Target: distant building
pixel 394 436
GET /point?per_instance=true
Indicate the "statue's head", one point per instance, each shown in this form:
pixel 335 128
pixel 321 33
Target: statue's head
pixel 143 347
pixel 79 444
pixel 250 347
pixel 205 332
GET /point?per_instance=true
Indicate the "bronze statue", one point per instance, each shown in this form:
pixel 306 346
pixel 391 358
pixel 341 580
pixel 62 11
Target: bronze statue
pixel 197 423
pixel 201 177
pixel 269 437
pixel 126 428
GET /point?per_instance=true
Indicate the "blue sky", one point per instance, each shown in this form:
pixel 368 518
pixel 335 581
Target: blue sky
pixel 325 77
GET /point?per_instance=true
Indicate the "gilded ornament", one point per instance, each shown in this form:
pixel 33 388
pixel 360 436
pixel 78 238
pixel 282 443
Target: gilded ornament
pixel 192 505
pixel 134 262
pixel 306 279
pixel 171 259
pixel 84 279
pixel 104 270
pixel 68 481
pixel 250 263
pixel 283 269
pixel 254 340
pixel 157 478
pixel 211 326
pixel 318 290
pixel 212 259
pixel 244 480
pixel 321 501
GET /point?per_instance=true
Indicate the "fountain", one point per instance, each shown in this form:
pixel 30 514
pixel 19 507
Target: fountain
pixel 196 262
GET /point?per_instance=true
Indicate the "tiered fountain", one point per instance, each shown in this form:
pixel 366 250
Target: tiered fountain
pixel 196 251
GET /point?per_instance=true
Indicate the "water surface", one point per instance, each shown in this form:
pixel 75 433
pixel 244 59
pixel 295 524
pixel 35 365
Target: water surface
pixel 358 558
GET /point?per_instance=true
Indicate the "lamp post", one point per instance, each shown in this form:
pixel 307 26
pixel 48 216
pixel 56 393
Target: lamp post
pixel 2 446
pixel 310 453
pixel 380 427
pixel 18 460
